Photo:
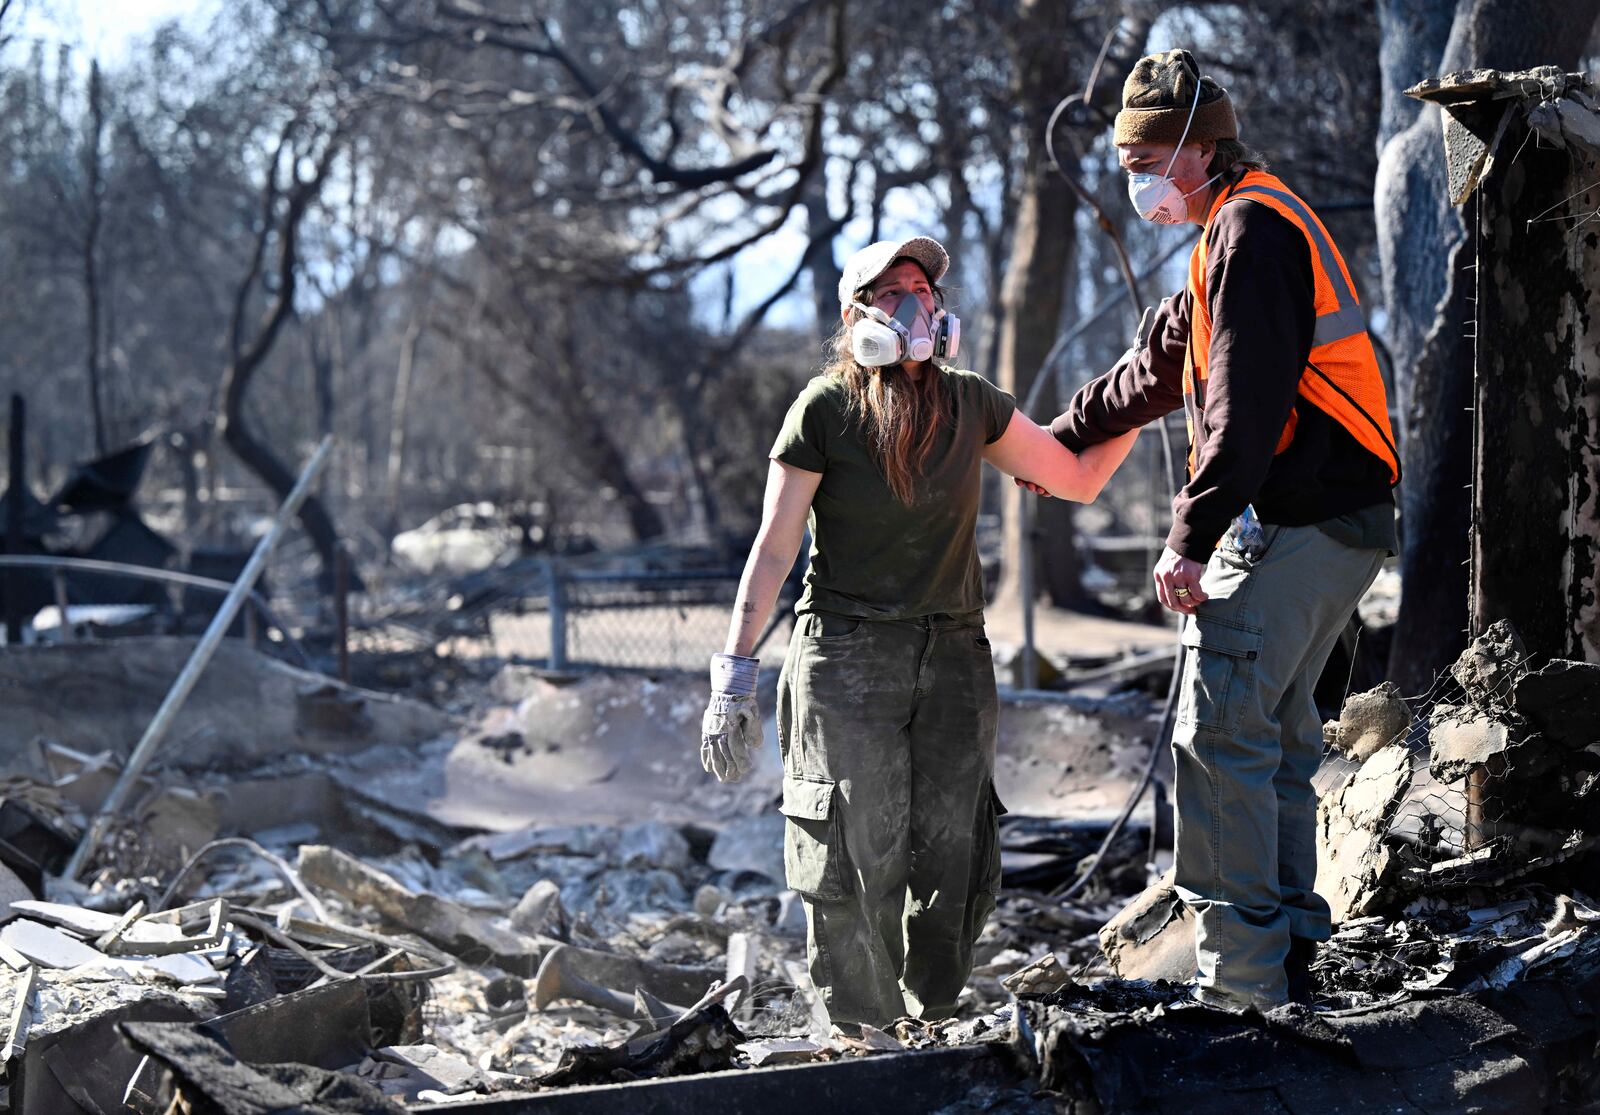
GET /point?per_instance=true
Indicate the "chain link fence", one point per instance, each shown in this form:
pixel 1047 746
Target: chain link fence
pixel 576 619
pixel 622 620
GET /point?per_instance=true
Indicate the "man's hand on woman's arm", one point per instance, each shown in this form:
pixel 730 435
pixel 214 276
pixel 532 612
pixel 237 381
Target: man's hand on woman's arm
pixel 1039 462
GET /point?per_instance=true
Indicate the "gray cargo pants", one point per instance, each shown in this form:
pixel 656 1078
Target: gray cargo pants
pixel 1247 742
pixel 887 732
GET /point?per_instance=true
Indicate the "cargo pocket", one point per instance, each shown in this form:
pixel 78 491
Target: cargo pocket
pixel 984 888
pixel 811 839
pixel 1219 673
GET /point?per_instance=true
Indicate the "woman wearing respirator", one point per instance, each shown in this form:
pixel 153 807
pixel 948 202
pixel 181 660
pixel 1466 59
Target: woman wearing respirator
pixel 886 707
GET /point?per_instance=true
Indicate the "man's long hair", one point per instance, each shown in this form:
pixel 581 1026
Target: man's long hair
pixel 900 416
pixel 1233 159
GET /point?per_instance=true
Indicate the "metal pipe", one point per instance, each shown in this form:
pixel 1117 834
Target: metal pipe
pixel 1030 655
pixel 152 573
pixel 558 615
pixel 58 581
pixel 203 653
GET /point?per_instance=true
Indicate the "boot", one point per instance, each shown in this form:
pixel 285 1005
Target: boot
pixel 1297 967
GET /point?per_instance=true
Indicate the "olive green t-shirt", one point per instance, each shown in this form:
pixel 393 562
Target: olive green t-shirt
pixel 871 555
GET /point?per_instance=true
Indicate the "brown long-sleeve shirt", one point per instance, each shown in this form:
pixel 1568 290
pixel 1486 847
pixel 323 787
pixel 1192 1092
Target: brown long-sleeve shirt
pixel 1261 289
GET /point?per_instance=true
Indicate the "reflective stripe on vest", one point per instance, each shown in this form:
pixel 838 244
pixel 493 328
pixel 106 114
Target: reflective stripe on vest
pixel 1347 320
pixel 1342 377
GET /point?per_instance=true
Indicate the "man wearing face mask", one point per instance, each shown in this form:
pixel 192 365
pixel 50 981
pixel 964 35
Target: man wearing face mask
pixel 1284 522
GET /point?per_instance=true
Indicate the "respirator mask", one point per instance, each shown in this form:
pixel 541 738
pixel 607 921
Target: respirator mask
pixel 1157 198
pixel 877 339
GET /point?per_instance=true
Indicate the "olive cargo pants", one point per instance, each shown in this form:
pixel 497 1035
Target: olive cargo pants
pixel 887 733
pixel 1247 743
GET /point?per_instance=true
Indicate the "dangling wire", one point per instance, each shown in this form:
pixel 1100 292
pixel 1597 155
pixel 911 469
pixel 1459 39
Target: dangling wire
pixel 1067 892
pixel 1087 199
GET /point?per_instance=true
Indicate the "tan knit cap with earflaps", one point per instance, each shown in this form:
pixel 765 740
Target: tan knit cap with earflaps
pixel 1158 95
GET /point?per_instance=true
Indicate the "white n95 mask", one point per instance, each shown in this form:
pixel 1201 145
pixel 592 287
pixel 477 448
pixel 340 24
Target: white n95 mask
pixel 1160 200
pixel 878 340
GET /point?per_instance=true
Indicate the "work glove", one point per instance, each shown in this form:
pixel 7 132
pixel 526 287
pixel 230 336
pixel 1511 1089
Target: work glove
pixel 731 727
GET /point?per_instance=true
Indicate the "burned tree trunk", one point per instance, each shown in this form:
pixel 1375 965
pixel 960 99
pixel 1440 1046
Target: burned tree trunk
pixel 1430 630
pixel 1030 301
pixel 825 273
pixel 398 408
pixel 1035 285
pixel 1527 384
pixel 93 164
pixel 1418 236
pixel 1536 389
pixel 1041 242
pixel 246 360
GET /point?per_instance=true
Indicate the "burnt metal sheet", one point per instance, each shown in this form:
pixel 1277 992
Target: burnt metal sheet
pixel 1511 1051
pixel 210 1079
pixel 106 483
pixel 924 1080
pixel 328 1027
pixel 85 1068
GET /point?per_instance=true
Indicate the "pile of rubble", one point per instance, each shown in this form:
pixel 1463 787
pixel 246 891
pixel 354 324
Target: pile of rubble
pixel 1493 776
pixel 1455 847
pixel 541 958
pixel 545 899
pixel 543 893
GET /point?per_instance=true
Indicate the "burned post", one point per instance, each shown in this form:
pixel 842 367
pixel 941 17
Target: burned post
pixel 16 508
pixel 1523 152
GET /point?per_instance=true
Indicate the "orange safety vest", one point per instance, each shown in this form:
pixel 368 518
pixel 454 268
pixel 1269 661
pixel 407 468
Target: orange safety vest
pixel 1341 376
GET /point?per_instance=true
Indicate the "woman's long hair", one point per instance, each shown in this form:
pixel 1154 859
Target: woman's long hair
pixel 901 416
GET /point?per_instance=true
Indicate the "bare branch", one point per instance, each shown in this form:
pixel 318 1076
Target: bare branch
pixel 626 139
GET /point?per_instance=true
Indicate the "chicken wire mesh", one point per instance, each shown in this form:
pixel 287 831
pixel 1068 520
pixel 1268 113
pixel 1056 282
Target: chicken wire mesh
pixel 1471 787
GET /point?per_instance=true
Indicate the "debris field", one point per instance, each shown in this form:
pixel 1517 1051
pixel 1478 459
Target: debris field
pixel 354 902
